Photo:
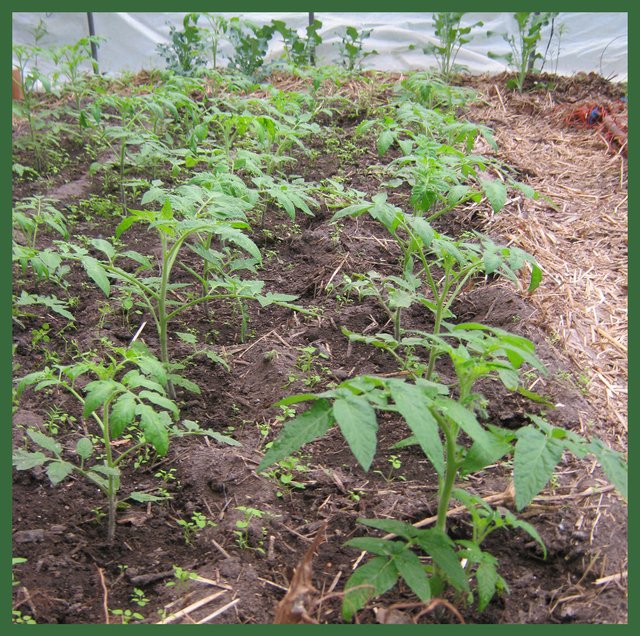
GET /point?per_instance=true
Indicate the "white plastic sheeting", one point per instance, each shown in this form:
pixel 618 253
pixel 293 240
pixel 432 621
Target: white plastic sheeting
pixel 588 42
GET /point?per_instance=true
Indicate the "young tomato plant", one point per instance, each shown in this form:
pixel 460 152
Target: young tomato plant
pixel 425 252
pixel 128 393
pixel 155 292
pixel 436 421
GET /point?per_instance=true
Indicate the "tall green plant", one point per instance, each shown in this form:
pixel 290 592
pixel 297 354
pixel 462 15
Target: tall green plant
pixel 524 44
pixel 452 37
pixel 126 395
pixel 250 45
pixel 436 421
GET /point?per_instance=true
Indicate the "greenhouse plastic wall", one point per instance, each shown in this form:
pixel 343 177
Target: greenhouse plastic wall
pixel 588 42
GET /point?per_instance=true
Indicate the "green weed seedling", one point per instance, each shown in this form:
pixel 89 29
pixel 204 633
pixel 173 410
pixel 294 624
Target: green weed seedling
pixel 128 393
pixel 19 618
pixel 284 472
pixel 395 464
pixel 139 597
pixel 192 526
pixel 242 529
pixel 127 616
pixel 181 578
pixel 524 44
pixel 309 362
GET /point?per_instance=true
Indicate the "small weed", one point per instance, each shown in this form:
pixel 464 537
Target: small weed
pixel 138 597
pixel 395 463
pixel 24 619
pixel 127 616
pixel 242 531
pixel 191 527
pixel 57 419
pixel 166 475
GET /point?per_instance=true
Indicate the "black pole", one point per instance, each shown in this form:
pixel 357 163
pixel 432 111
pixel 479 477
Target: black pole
pixel 312 52
pixel 94 46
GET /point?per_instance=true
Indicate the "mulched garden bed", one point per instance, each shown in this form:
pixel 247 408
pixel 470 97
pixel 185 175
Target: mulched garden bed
pixel 73 575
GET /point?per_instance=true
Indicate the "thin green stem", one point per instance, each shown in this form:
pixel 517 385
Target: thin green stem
pixel 450 431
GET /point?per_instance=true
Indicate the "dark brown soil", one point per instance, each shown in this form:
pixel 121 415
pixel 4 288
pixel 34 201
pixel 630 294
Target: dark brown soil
pixel 71 569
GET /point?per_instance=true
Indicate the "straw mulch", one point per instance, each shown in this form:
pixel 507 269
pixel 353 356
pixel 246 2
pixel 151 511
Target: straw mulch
pixel 578 236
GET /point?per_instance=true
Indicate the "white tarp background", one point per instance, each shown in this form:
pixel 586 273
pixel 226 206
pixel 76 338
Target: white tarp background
pixel 590 41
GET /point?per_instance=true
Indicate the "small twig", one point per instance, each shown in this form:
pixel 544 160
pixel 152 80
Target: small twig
pixel 335 272
pixel 435 603
pixel 191 608
pixel 220 549
pixel 202 579
pixel 495 86
pixel 224 608
pixel 272 584
pixel 253 344
pixel 105 595
pixel 612 578
pixel 140 328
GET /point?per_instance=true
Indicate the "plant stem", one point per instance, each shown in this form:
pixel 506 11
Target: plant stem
pixel 451 471
pixel 111 479
pixel 162 314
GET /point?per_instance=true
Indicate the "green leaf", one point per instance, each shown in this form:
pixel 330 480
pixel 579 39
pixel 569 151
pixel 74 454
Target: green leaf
pixel 44 441
pixel 153 368
pixel 178 380
pixel 97 273
pixel 402 529
pixel 160 400
pixel 144 497
pixel 155 427
pixel 373 578
pixel 536 278
pixel 414 406
pixel 513 522
pixel 24 460
pixel 223 439
pixel 614 467
pixel 414 574
pixel 189 338
pixel 109 471
pixel 467 421
pixel 358 424
pixel 98 392
pixel 487 579
pixel 84 447
pixel 105 247
pixel 535 458
pixel 479 457
pixel 436 544
pixel 352 210
pixel 386 138
pixel 304 428
pixel 375 545
pixel 496 193
pixel 122 414
pixel 58 471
